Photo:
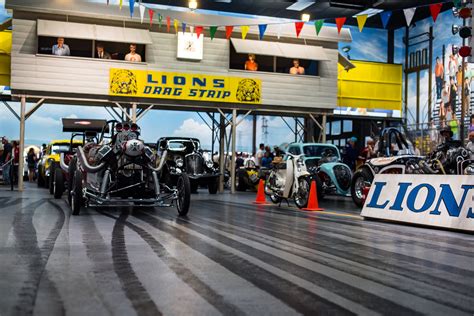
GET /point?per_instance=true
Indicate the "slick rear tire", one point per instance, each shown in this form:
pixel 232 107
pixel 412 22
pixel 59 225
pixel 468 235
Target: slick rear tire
pixel 52 170
pixel 58 183
pixel 184 195
pixel 213 185
pixel 358 180
pixel 77 199
pixel 302 196
pixel 70 178
pixel 40 177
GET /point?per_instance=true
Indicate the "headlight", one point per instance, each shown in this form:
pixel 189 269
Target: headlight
pixel 209 164
pixel 179 162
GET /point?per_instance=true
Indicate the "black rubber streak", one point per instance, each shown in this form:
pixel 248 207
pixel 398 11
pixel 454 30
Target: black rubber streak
pixel 133 288
pixel 36 257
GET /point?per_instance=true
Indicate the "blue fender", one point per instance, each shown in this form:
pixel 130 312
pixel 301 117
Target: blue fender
pixel 327 168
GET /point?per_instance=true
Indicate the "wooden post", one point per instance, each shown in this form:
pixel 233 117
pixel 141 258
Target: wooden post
pixel 134 113
pixel 254 135
pixel 232 162
pixel 22 143
pixel 323 129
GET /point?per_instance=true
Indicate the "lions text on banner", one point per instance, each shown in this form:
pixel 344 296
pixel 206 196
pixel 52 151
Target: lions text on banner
pixel 433 200
pixel 183 86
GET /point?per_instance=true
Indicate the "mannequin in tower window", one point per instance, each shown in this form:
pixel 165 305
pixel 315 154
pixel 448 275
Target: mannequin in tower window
pixel 133 56
pixel 251 64
pixel 296 69
pixel 101 53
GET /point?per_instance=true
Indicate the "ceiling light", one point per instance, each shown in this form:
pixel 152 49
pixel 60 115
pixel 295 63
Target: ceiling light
pixel 368 12
pixel 193 4
pixel 300 5
pixel 305 17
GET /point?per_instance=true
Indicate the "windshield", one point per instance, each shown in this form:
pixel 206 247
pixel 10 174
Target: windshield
pixel 182 145
pixel 319 151
pixel 61 148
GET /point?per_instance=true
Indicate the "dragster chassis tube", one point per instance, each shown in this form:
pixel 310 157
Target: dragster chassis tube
pixel 88 168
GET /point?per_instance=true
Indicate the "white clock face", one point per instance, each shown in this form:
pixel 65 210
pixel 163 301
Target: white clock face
pixel 190 46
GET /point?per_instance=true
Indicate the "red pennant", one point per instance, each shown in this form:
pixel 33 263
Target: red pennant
pixel 168 23
pixel 150 13
pixel 198 30
pixel 298 27
pixel 435 10
pixel 228 31
pixel 339 23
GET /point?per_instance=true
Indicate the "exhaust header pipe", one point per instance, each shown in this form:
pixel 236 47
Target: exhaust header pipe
pixel 83 160
pixel 162 162
pixel 62 163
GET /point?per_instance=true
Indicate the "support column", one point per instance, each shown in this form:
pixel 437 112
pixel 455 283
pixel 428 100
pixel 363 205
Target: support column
pixel 134 113
pixel 254 135
pixel 22 143
pixel 323 129
pixel 430 76
pixel 405 114
pixel 232 162
pixel 221 153
pixel 390 46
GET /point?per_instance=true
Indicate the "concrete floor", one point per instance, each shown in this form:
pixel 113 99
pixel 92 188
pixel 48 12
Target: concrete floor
pixel 228 257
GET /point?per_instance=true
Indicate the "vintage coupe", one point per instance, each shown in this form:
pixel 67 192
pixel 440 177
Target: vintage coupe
pixel 119 170
pixel 324 160
pixel 185 156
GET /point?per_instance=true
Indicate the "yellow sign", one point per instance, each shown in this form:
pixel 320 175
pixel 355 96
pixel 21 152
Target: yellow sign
pixel 370 85
pixel 180 86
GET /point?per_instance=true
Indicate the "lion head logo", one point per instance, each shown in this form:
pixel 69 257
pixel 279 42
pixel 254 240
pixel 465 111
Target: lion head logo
pixel 124 82
pixel 248 91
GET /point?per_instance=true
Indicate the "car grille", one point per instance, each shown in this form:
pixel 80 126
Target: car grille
pixel 343 176
pixel 194 164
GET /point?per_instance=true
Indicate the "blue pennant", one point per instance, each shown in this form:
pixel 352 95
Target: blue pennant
pixel 385 16
pixel 262 28
pixel 184 27
pixel 132 7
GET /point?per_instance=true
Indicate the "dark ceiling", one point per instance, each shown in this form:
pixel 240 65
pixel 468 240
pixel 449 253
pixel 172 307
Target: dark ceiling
pixel 321 9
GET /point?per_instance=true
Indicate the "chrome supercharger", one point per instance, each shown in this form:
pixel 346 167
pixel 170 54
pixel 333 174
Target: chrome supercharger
pixel 289 180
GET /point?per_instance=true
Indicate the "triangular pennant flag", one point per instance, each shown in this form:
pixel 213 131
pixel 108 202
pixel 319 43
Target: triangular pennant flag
pixel 142 12
pixel 261 30
pixel 191 29
pixel 120 4
pixel 409 14
pixel 435 9
pixel 318 24
pixel 199 31
pixel 298 27
pixel 361 19
pixel 228 31
pixel 132 7
pixel 175 24
pixel 183 26
pixel 160 19
pixel 279 31
pixel 150 14
pixel 245 30
pixel 340 23
pixel 212 31
pixel 168 23
pixel 385 16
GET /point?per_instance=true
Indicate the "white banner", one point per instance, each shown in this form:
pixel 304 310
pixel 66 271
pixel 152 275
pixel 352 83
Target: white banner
pixel 433 200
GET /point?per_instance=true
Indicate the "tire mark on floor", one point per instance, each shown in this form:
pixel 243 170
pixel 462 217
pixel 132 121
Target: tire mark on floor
pixel 36 258
pixel 186 275
pixel 300 299
pixel 133 288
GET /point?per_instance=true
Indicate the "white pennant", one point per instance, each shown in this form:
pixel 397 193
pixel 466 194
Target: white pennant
pixel 142 12
pixel 191 28
pixel 409 14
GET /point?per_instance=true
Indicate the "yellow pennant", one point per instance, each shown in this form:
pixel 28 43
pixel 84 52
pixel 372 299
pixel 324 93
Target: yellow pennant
pixel 176 23
pixel 245 30
pixel 120 4
pixel 361 19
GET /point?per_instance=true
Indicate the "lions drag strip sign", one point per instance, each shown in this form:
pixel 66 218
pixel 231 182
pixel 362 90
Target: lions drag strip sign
pixel 433 200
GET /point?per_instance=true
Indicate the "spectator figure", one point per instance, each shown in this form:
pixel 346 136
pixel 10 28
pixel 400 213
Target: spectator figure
pixel 267 160
pixel 251 64
pixel 452 95
pixel 259 155
pixel 296 69
pixel 239 162
pixel 351 154
pixel 471 124
pixel 7 155
pixel 133 56
pixel 368 152
pixel 61 49
pixel 467 95
pixel 31 162
pixel 470 144
pixel 416 150
pixel 16 160
pixel 445 102
pixel 101 53
pixel 439 74
pixel 452 66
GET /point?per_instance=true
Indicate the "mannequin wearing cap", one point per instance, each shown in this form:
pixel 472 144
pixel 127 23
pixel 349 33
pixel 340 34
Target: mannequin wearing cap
pixel 251 64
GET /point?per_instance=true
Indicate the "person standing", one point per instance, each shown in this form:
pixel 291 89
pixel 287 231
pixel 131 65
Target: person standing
pixel 259 155
pixel 31 162
pixel 452 96
pixel 351 154
pixel 133 56
pixel 470 144
pixel 7 155
pixel 251 64
pixel 439 74
pixel 368 152
pixel 61 49
pixel 296 69
pixel 101 53
pixel 16 161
